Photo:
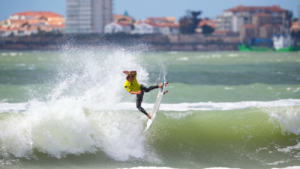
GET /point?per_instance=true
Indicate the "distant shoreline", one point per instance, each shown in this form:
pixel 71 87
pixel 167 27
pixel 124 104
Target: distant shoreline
pixel 195 42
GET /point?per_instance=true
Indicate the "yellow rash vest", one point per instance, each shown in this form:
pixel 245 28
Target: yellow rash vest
pixel 134 86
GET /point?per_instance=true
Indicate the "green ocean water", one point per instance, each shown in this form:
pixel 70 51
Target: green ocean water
pixel 68 109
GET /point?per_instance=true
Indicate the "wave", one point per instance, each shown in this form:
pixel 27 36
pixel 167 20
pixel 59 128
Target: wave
pixel 61 129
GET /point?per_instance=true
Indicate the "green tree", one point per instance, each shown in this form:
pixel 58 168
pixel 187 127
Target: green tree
pixel 189 22
pixel 206 29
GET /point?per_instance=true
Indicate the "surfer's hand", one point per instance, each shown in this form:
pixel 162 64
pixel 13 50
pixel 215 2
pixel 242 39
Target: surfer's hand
pixel 126 72
pixel 139 92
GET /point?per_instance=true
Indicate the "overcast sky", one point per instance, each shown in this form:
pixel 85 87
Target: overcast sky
pixel 140 9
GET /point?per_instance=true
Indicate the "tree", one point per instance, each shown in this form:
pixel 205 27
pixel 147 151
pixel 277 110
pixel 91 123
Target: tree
pixel 189 22
pixel 207 29
pixel 288 19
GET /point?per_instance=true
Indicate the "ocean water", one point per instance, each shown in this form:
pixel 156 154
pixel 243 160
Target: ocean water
pixel 69 109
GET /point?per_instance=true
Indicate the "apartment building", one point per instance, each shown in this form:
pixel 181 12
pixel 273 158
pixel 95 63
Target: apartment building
pixel 88 16
pixel 232 19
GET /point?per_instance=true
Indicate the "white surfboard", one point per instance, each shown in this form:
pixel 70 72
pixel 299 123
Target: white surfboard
pixel 156 106
pixel 161 91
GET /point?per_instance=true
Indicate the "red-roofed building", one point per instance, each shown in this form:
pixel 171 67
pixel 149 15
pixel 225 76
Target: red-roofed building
pixel 157 25
pixel 156 28
pixel 255 9
pixel 123 19
pixel 150 25
pixel 207 22
pixel 232 19
pixel 29 22
pixel 147 28
pixel 160 20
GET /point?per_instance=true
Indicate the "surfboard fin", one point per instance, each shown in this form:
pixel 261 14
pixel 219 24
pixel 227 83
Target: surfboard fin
pixel 166 84
pixel 166 92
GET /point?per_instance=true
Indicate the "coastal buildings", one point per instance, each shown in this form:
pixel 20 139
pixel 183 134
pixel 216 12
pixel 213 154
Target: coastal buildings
pixel 150 25
pixel 157 25
pixel 116 27
pixel 88 16
pixel 232 19
pixel 31 22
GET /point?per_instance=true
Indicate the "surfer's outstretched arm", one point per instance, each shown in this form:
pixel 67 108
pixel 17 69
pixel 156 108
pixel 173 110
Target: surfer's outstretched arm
pixel 127 72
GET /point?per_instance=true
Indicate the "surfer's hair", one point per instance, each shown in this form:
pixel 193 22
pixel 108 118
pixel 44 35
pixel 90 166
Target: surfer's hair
pixel 129 76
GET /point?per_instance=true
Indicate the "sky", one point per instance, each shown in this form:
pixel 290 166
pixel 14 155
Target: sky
pixel 140 9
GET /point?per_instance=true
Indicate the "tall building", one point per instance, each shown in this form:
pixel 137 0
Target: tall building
pixel 232 19
pixel 88 16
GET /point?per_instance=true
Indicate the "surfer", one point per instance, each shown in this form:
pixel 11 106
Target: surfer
pixel 133 87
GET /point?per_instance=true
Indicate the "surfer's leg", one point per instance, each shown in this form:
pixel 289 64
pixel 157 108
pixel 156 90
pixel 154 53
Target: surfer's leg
pixel 139 99
pixel 145 89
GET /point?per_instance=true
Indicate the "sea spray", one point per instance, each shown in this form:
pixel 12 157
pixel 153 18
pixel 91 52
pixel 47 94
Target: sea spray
pixel 287 117
pixel 76 118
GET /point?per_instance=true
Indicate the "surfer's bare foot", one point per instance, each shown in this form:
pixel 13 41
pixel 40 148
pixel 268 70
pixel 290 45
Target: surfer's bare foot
pixel 160 85
pixel 149 116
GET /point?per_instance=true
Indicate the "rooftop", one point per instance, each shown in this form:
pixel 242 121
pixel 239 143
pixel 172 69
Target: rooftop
pixel 207 22
pixel 240 8
pixel 262 15
pixel 35 13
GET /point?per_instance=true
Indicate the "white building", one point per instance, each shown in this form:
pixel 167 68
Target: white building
pixel 153 28
pixel 117 27
pixel 88 16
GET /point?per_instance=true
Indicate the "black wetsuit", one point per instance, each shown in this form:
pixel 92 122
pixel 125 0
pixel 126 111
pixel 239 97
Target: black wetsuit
pixel 139 97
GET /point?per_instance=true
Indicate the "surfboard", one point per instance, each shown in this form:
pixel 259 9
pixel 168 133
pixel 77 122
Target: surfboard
pixel 156 105
pixel 159 97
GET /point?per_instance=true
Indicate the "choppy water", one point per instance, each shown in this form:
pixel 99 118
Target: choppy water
pixel 68 109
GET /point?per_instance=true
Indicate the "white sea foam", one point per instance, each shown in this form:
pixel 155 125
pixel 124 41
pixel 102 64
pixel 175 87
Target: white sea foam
pixel 296 90
pixel 288 149
pixel 183 58
pixel 288 118
pixel 13 54
pixel 19 107
pixel 228 88
pixel 141 167
pixel 220 168
pixel 21 64
pixel 63 127
pixel 290 167
pixel 233 55
pixel 178 115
